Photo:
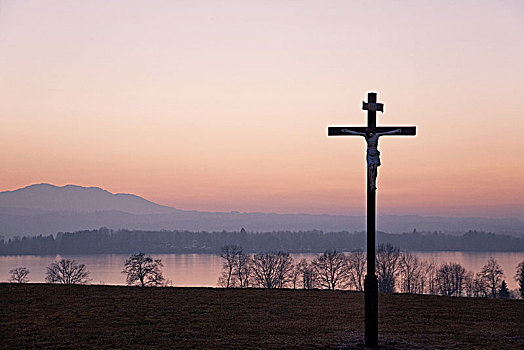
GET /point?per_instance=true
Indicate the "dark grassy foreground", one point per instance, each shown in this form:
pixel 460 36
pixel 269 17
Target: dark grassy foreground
pixel 105 317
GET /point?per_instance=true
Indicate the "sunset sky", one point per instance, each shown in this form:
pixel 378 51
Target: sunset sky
pixel 224 105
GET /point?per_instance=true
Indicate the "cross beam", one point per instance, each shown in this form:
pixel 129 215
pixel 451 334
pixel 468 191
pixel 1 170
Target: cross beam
pixel 404 130
pixel 371 133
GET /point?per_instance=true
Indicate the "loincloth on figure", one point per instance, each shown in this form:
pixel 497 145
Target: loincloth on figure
pixel 373 157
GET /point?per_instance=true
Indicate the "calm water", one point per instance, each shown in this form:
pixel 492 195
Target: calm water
pixel 204 269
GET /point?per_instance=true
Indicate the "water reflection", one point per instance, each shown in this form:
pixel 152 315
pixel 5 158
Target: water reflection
pixel 190 270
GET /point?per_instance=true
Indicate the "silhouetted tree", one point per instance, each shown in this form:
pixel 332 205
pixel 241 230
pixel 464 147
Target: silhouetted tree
pixel 450 279
pixel 242 269
pixel 387 265
pixel 19 275
pixel 331 270
pixel 469 285
pixel 67 271
pixel 430 277
pixel 519 277
pixel 306 274
pixel 420 284
pixel 410 272
pixel 229 254
pixel 295 274
pixel 503 290
pixel 272 270
pixel 264 266
pixel 284 269
pixel 492 274
pixel 357 267
pixel 480 286
pixel 143 271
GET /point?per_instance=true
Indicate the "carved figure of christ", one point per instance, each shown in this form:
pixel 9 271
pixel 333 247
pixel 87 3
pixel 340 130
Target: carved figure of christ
pixel 372 153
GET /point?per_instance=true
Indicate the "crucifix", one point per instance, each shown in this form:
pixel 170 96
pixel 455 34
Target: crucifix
pixel 371 133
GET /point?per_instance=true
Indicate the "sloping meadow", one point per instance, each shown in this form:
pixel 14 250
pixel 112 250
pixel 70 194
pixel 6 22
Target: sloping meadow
pixel 105 317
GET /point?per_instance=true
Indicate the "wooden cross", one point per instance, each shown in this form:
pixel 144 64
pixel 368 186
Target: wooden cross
pixel 372 107
pixel 371 132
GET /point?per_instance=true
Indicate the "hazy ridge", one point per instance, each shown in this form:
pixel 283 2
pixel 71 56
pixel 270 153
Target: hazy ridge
pixel 48 209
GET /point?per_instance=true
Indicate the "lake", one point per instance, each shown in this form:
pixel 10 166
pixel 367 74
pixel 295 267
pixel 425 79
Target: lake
pixel 192 270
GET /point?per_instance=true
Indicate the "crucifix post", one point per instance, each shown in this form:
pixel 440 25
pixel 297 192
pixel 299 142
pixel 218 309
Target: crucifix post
pixel 370 281
pixel 371 133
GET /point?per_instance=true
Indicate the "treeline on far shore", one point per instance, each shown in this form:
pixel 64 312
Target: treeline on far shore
pixel 106 241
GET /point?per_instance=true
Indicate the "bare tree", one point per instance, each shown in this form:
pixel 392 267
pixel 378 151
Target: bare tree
pixel 429 277
pixel 272 270
pixel 469 284
pixel 295 275
pixel 143 271
pixel 306 274
pixel 425 277
pixel 264 270
pixel 450 279
pixel 357 267
pixel 228 253
pixel 19 275
pixel 387 267
pixel 492 274
pixel 410 272
pixel 284 269
pixel 67 271
pixel 242 269
pixel 480 286
pixel 331 270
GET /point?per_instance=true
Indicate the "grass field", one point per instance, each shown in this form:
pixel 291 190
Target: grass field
pixel 110 317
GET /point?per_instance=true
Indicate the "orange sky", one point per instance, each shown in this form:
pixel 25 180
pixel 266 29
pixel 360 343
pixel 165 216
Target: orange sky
pixel 225 105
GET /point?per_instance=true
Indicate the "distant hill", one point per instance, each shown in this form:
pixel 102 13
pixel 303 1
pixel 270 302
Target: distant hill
pixel 48 209
pixel 72 198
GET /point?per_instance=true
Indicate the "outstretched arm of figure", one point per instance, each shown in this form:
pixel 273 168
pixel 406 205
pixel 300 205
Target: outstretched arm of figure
pixel 354 132
pixel 398 131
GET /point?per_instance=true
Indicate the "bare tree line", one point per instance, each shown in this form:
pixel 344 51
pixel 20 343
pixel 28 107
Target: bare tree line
pixel 140 270
pixel 397 271
pixel 330 270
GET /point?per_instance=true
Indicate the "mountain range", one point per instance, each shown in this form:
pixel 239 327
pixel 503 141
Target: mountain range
pixel 48 209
